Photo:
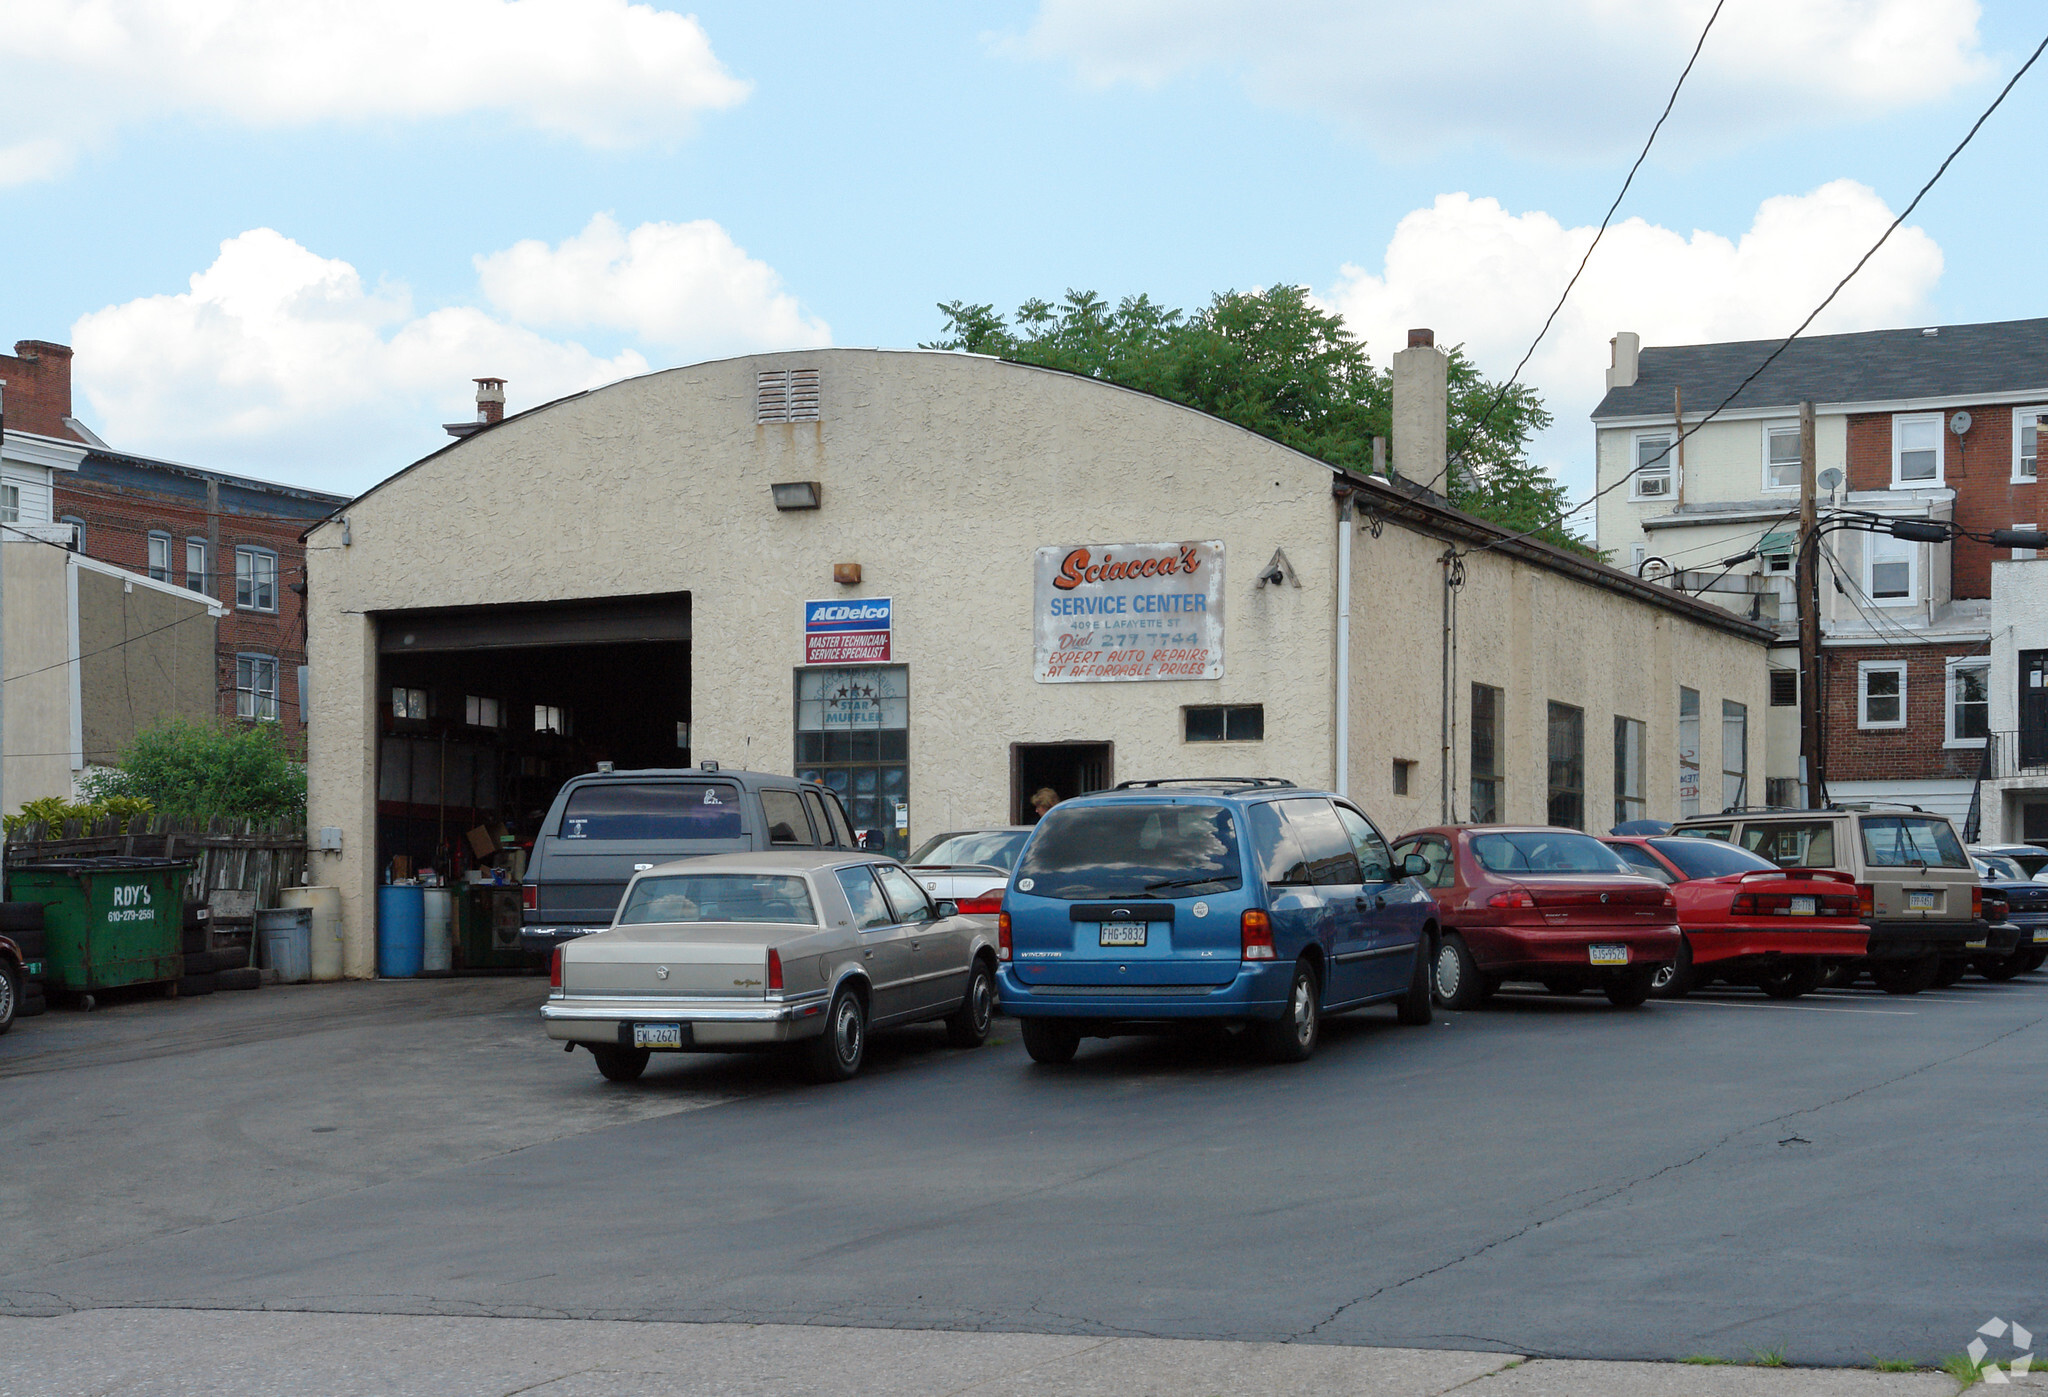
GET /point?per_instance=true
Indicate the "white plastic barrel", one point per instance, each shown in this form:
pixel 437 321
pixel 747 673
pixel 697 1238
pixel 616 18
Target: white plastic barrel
pixel 436 956
pixel 326 905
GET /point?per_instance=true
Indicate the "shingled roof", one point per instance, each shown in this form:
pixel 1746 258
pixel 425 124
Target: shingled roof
pixel 2009 356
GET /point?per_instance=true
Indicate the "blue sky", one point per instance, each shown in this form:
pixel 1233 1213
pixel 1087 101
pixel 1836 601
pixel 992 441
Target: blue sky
pixel 801 174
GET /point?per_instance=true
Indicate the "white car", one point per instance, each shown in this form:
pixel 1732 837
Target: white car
pixel 970 867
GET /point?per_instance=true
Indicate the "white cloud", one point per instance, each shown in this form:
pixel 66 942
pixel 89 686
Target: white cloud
pixel 1565 76
pixel 1485 278
pixel 607 72
pixel 686 286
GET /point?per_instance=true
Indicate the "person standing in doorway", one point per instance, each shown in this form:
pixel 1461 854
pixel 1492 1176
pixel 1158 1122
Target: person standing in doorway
pixel 1042 800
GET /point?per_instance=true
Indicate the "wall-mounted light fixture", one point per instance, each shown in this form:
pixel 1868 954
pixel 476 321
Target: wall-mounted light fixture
pixel 796 494
pixel 846 574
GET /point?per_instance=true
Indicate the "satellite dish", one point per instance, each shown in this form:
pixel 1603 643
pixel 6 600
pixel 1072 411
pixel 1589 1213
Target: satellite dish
pixel 1960 423
pixel 1830 479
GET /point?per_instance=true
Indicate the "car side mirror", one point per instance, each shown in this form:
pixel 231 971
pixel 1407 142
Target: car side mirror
pixel 1414 866
pixel 948 907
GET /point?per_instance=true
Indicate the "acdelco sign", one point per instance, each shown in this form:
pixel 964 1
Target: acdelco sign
pixel 847 631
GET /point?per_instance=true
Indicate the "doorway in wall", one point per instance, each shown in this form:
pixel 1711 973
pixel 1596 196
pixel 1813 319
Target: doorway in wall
pixel 1069 768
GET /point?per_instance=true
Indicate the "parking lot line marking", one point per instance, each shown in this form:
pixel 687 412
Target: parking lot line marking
pixel 1807 1008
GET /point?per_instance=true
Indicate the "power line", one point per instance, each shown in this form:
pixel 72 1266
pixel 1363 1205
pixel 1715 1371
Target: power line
pixel 65 664
pixel 1786 343
pixel 1548 320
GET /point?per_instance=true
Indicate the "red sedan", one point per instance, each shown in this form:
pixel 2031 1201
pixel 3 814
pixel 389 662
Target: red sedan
pixel 1747 920
pixel 1551 905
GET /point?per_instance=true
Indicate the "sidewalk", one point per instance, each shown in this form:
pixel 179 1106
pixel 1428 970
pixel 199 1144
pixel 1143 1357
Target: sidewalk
pixel 278 1354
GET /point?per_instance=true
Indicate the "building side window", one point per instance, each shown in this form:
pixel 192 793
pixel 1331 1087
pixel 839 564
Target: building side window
pixel 1781 458
pixel 1567 766
pixel 1916 449
pixel 2024 555
pixel 196 570
pixel 1636 553
pixel 1891 569
pixel 1881 694
pixel 160 557
pixel 1404 774
pixel 305 693
pixel 1630 741
pixel 1244 722
pixel 255 579
pixel 481 712
pixel 10 504
pixel 409 705
pixel 1688 752
pixel 1784 688
pixel 1653 470
pixel 551 717
pixel 1969 702
pixel 256 687
pixel 1734 754
pixel 1487 757
pixel 77 532
pixel 2026 442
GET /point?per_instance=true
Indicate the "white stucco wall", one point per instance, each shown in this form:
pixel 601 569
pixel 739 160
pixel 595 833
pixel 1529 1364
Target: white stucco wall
pixel 37 615
pixel 1724 461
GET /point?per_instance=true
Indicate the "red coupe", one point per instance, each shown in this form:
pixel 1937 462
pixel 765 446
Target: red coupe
pixel 1745 919
pixel 1551 905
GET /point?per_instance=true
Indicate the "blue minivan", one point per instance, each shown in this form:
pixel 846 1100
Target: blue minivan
pixel 1248 901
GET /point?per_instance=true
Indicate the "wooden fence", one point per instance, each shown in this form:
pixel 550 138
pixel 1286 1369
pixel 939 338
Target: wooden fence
pixel 227 854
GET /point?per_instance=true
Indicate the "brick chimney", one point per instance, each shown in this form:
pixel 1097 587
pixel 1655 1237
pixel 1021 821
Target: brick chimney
pixel 490 408
pixel 1422 410
pixel 38 376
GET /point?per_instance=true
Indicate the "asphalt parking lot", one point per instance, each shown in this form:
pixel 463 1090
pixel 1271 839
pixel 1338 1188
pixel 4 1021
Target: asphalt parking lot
pixel 1840 1179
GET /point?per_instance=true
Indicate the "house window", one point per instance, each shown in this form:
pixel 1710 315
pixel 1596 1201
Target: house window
pixel 1916 449
pixel 481 712
pixel 2024 555
pixel 1652 465
pixel 256 687
pixel 1630 740
pixel 2026 441
pixel 305 693
pixel 1688 752
pixel 550 717
pixel 1889 568
pixel 1636 553
pixel 1969 702
pixel 10 504
pixel 77 532
pixel 409 704
pixel 1881 694
pixel 1567 766
pixel 1781 458
pixel 1245 722
pixel 1487 756
pixel 1734 754
pixel 682 735
pixel 160 557
pixel 255 579
pixel 1784 688
pixel 1404 772
pixel 196 574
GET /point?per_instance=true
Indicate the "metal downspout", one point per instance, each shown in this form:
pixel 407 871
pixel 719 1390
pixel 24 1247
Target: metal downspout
pixel 1342 784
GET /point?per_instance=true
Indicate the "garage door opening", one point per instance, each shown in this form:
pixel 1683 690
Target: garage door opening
pixel 1066 768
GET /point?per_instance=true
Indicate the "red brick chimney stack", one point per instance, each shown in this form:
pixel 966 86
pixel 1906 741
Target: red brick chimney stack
pixel 1422 339
pixel 490 400
pixel 38 376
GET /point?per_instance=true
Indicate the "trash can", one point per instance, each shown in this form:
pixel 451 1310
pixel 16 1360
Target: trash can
pixel 325 904
pixel 437 948
pixel 287 937
pixel 401 930
pixel 108 921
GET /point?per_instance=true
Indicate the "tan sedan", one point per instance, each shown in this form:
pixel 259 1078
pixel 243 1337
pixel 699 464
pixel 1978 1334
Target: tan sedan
pixel 738 952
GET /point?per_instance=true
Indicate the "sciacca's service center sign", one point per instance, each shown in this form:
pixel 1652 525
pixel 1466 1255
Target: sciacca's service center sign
pixel 1128 611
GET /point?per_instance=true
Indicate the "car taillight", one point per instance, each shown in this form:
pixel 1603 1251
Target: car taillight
pixel 774 969
pixel 1513 897
pixel 529 897
pixel 986 905
pixel 1866 900
pixel 555 970
pixel 1976 902
pixel 1003 936
pixel 1255 935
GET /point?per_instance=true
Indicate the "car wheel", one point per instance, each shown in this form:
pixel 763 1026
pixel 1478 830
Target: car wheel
pixel 1628 990
pixel 1457 981
pixel 1905 976
pixel 10 996
pixel 1051 1041
pixel 1947 972
pixel 1415 1008
pixel 620 1064
pixel 1674 979
pixel 2036 958
pixel 1293 1036
pixel 1790 981
pixel 968 1026
pixel 1842 975
pixel 2000 968
pixel 837 1053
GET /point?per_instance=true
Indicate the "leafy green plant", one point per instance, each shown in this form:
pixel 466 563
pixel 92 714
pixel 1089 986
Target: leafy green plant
pixel 1767 1358
pixel 1896 1365
pixel 126 808
pixel 205 771
pixel 1963 1368
pixel 1705 1360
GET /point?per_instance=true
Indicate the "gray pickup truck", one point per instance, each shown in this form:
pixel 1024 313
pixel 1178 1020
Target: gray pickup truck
pixel 606 826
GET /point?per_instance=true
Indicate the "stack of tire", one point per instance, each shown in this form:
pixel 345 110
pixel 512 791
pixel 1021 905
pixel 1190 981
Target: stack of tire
pixel 208 970
pixel 22 923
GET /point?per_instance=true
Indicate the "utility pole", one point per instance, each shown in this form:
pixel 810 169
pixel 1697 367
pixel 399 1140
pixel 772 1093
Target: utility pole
pixel 1807 580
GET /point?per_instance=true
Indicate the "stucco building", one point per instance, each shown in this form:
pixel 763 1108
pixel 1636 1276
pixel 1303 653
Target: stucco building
pixel 851 563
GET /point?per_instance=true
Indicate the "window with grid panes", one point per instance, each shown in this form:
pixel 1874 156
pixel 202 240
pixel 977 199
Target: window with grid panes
pixel 256 687
pixel 853 737
pixel 1487 755
pixel 160 557
pixel 1567 766
pixel 255 579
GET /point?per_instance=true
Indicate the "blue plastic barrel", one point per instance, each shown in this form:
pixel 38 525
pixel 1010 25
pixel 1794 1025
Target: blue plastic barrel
pixel 401 931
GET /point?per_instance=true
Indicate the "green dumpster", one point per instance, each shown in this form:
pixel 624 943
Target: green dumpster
pixel 108 921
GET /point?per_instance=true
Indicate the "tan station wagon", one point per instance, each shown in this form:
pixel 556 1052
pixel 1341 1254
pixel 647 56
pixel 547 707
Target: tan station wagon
pixel 801 951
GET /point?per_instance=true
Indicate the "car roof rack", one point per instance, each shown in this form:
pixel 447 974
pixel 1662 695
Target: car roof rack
pixel 1255 782
pixel 1865 805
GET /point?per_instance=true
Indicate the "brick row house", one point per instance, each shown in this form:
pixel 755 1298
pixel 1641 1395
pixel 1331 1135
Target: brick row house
pixel 1930 425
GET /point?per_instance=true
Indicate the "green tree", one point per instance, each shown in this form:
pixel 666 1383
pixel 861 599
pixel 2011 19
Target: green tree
pixel 1273 362
pixel 206 771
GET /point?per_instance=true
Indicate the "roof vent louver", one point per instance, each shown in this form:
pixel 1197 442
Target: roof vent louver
pixel 786 395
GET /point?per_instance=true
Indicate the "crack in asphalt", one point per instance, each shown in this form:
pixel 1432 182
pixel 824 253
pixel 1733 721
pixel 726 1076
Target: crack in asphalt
pixel 1656 1174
